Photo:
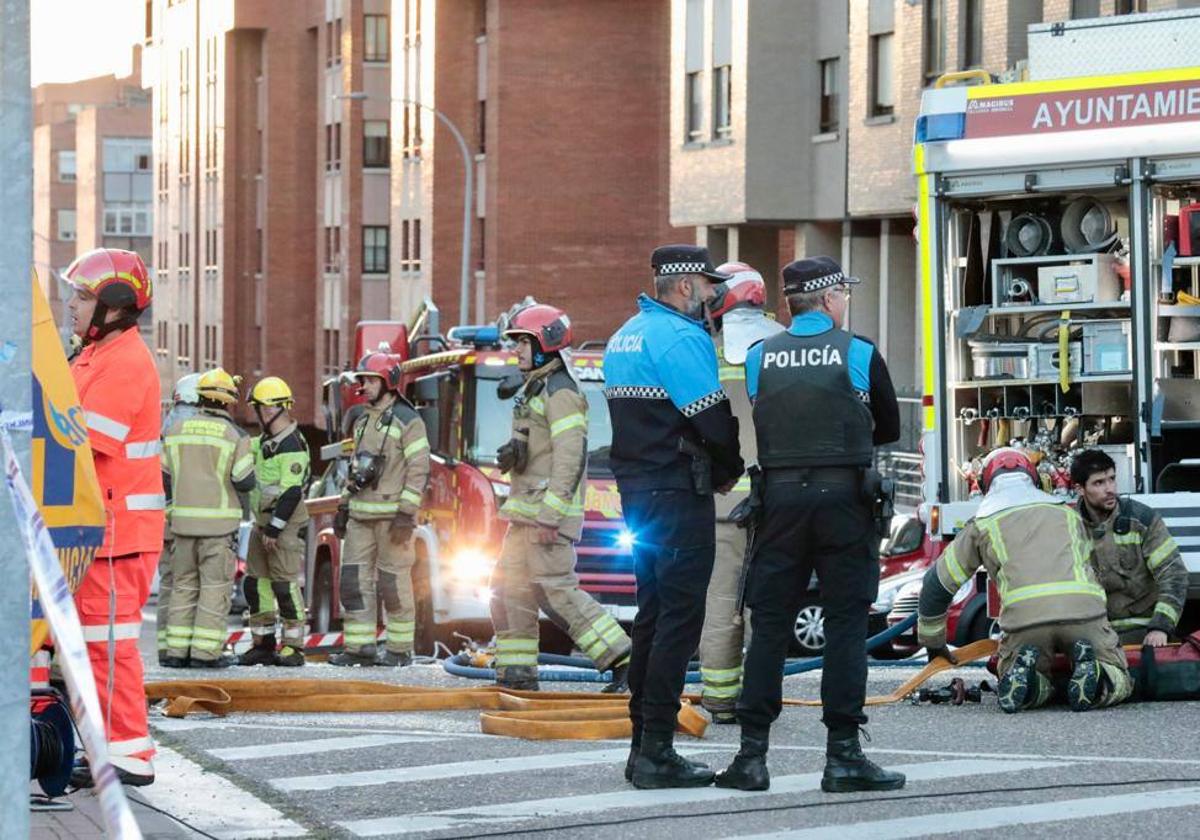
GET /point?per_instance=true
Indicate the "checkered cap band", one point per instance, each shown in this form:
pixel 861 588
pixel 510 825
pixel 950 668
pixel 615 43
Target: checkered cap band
pixel 817 283
pixel 681 268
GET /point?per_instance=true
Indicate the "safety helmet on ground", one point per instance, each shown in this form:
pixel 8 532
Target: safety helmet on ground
pixel 745 287
pixel 218 386
pixel 384 365
pixel 548 325
pixel 119 280
pixel 185 392
pixel 271 391
pixel 1005 460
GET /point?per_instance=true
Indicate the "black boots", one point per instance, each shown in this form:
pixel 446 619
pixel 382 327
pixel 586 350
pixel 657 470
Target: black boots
pixel 222 660
pixel 81 776
pixel 390 659
pixel 289 657
pixel 263 652
pixel 847 770
pixel 363 658
pixel 748 771
pixel 620 679
pixel 657 765
pixel 518 677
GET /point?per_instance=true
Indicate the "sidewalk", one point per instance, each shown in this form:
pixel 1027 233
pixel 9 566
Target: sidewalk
pixel 85 822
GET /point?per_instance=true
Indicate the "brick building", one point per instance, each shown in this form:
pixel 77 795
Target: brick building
pixel 564 107
pixel 267 174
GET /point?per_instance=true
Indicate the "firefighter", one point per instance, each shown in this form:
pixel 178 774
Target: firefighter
pixel 823 399
pixel 118 389
pixel 1137 561
pixel 208 462
pixel 388 474
pixel 738 321
pixel 1036 548
pixel 184 403
pixel 675 442
pixel 546 459
pixel 275 558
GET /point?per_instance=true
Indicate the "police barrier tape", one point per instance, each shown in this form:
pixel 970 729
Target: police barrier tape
pixel 59 608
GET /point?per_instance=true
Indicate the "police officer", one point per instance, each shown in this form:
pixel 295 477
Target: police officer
pixel 738 321
pixel 547 461
pixel 275 558
pixel 1137 561
pixel 209 462
pixel 377 516
pixel 675 441
pixel 823 400
pixel 184 403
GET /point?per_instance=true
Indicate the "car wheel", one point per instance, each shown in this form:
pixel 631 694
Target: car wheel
pixel 808 633
pixel 322 608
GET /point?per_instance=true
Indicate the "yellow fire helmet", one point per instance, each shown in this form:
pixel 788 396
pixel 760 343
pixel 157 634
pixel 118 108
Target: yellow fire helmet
pixel 218 386
pixel 271 391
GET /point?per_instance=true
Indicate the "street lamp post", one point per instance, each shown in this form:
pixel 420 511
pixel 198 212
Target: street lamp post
pixel 464 290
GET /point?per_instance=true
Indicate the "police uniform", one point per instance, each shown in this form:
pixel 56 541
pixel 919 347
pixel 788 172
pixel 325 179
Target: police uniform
pixel 663 394
pixel 1141 570
pixel 823 399
pixel 395 434
pixel 281 466
pixel 209 462
pixel 550 418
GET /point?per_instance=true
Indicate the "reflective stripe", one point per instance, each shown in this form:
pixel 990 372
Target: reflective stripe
pixel 206 513
pixel 520 508
pixel 957 573
pixel 931 627
pixel 358 633
pixel 1161 553
pixel 206 633
pixel 538 406
pixel 107 426
pixel 137 766
pixel 99 632
pixel 571 421
pixel 1129 623
pixel 554 503
pixel 243 465
pixel 415 447
pixel 201 440
pixel 133 745
pixel 731 373
pixel 720 674
pixel 1043 590
pixel 146 449
pixel 1132 538
pixel 374 507
pixel 412 497
pixel 276 522
pixel 1165 609
pixel 146 501
pixel 742 485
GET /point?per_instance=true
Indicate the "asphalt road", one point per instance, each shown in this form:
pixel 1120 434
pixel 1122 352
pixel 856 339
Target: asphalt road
pixel 972 770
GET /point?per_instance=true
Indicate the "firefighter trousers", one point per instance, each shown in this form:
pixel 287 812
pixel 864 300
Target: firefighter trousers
pixel 272 585
pixel 723 637
pixel 202 572
pixel 533 575
pixel 368 552
pixel 121 584
pixel 1060 637
pixel 163 608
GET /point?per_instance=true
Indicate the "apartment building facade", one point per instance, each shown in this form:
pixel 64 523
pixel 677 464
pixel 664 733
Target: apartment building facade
pixel 562 106
pixel 270 139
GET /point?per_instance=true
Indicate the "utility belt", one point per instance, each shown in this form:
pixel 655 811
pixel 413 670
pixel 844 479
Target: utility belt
pixel 874 488
pixel 841 476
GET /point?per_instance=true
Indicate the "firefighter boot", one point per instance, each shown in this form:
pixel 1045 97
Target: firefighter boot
pixel 518 678
pixel 658 765
pixel 346 659
pixel 847 770
pixel 289 657
pixel 392 659
pixel 1083 691
pixel 620 679
pixel 224 660
pixel 263 652
pixel 1019 684
pixel 748 771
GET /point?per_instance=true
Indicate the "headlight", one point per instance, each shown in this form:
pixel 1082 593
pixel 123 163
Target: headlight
pixel 891 587
pixel 471 566
pixel 626 539
pixel 884 602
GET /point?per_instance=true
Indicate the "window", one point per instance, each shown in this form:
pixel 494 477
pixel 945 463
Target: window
pixel 1085 9
pixel 694 104
pixel 935 39
pixel 333 42
pixel 693 66
pixel 375 37
pixel 129 221
pixel 66 166
pixel 883 97
pixel 66 225
pixel 375 250
pixel 722 67
pixel 972 52
pixel 1129 7
pixel 830 99
pixel 376 145
pixel 333 146
pixel 722 94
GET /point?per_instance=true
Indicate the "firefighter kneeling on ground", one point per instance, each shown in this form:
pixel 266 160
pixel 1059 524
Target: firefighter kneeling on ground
pixel 376 517
pixel 275 558
pixel 1036 548
pixel 184 403
pixel 547 461
pixel 208 463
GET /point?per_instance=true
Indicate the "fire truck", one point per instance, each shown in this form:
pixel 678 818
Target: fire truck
pixel 462 385
pixel 1058 222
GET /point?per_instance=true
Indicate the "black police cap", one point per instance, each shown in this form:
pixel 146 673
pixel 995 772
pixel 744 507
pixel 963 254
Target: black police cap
pixel 812 274
pixel 684 259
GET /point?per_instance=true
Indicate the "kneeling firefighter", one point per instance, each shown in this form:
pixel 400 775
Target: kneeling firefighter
pixel 1038 551
pixel 377 515
pixel 275 559
pixel 547 461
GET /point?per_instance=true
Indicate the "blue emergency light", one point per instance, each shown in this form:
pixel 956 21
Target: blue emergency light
pixel 480 335
pixel 933 127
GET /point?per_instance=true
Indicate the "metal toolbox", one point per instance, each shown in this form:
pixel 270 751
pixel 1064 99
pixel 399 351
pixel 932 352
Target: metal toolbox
pixel 999 359
pixel 1044 360
pixel 1094 280
pixel 1106 347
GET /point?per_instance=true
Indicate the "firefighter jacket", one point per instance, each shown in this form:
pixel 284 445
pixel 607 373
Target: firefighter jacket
pixel 1040 558
pixel 733 380
pixel 393 438
pixel 550 413
pixel 208 462
pixel 281 466
pixel 1140 567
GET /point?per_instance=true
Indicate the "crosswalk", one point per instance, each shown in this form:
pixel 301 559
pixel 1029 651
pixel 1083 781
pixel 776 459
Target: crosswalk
pixel 407 783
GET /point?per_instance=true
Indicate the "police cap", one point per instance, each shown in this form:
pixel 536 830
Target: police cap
pixel 684 259
pixel 812 274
